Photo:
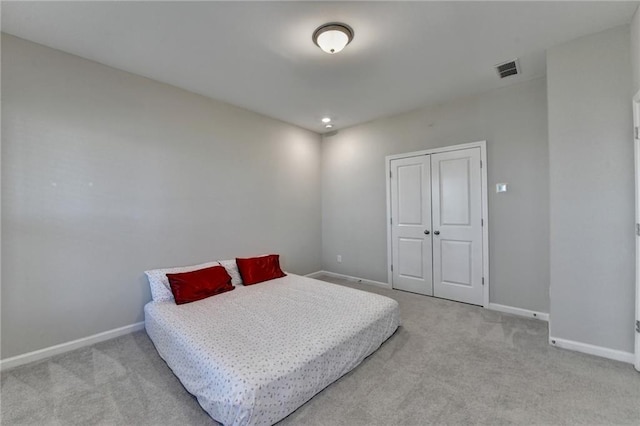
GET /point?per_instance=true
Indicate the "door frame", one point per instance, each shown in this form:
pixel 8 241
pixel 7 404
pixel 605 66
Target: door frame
pixel 485 208
pixel 636 148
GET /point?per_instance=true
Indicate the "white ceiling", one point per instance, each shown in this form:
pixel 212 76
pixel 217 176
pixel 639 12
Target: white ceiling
pixel 260 56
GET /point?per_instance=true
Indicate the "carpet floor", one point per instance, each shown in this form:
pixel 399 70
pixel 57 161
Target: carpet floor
pixel 449 363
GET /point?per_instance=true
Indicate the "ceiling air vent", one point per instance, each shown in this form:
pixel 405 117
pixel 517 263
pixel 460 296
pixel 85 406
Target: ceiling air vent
pixel 508 68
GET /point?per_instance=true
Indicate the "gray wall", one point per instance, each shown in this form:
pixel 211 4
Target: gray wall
pixel 513 120
pixel 106 174
pixel 592 190
pixel 635 50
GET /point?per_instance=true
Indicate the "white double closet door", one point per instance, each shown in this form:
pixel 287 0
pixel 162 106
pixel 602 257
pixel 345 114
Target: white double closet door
pixel 436 225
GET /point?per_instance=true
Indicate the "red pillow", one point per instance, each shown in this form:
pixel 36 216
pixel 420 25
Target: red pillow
pixel 195 285
pixel 258 269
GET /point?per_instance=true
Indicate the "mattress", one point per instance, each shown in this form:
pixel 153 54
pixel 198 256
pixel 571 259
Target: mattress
pixel 253 355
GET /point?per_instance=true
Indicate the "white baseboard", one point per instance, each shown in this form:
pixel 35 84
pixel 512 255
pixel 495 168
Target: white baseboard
pixel 586 348
pixel 68 346
pixel 349 278
pixel 543 316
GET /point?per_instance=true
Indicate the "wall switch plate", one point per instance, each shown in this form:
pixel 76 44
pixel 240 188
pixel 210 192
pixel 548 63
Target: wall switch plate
pixel 501 187
pixel 339 258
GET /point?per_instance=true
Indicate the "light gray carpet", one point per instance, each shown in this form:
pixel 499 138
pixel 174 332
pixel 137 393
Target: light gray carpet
pixel 449 363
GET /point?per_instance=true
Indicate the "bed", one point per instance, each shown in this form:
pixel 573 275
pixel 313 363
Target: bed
pixel 254 355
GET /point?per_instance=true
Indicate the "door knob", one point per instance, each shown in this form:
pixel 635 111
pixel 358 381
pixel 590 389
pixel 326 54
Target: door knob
pixel 426 232
pixel 436 232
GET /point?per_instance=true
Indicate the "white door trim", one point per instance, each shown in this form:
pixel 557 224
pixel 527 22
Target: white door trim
pixel 636 147
pixel 485 208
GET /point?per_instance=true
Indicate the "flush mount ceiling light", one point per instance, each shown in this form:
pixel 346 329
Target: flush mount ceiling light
pixel 332 37
pixel 326 120
pixel 328 126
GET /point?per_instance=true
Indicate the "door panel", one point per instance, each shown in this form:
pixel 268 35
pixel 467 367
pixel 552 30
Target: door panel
pixel 410 202
pixel 454 182
pixel 457 214
pixel 411 217
pixel 455 254
pixel 410 258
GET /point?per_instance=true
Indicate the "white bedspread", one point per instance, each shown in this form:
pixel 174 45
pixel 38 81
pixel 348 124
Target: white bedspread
pixel 253 355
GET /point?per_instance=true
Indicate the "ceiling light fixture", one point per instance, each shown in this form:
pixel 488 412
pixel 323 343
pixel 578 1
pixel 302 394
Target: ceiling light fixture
pixel 326 120
pixel 328 126
pixel 332 37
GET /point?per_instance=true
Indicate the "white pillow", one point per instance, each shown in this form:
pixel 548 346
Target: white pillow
pixel 232 269
pixel 159 283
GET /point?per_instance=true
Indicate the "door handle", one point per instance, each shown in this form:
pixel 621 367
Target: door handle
pixel 426 232
pixel 436 232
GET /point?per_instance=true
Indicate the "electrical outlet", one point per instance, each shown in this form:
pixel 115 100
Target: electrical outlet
pixel 339 258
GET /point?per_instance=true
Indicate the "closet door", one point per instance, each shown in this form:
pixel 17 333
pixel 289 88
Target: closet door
pixel 411 224
pixel 457 228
